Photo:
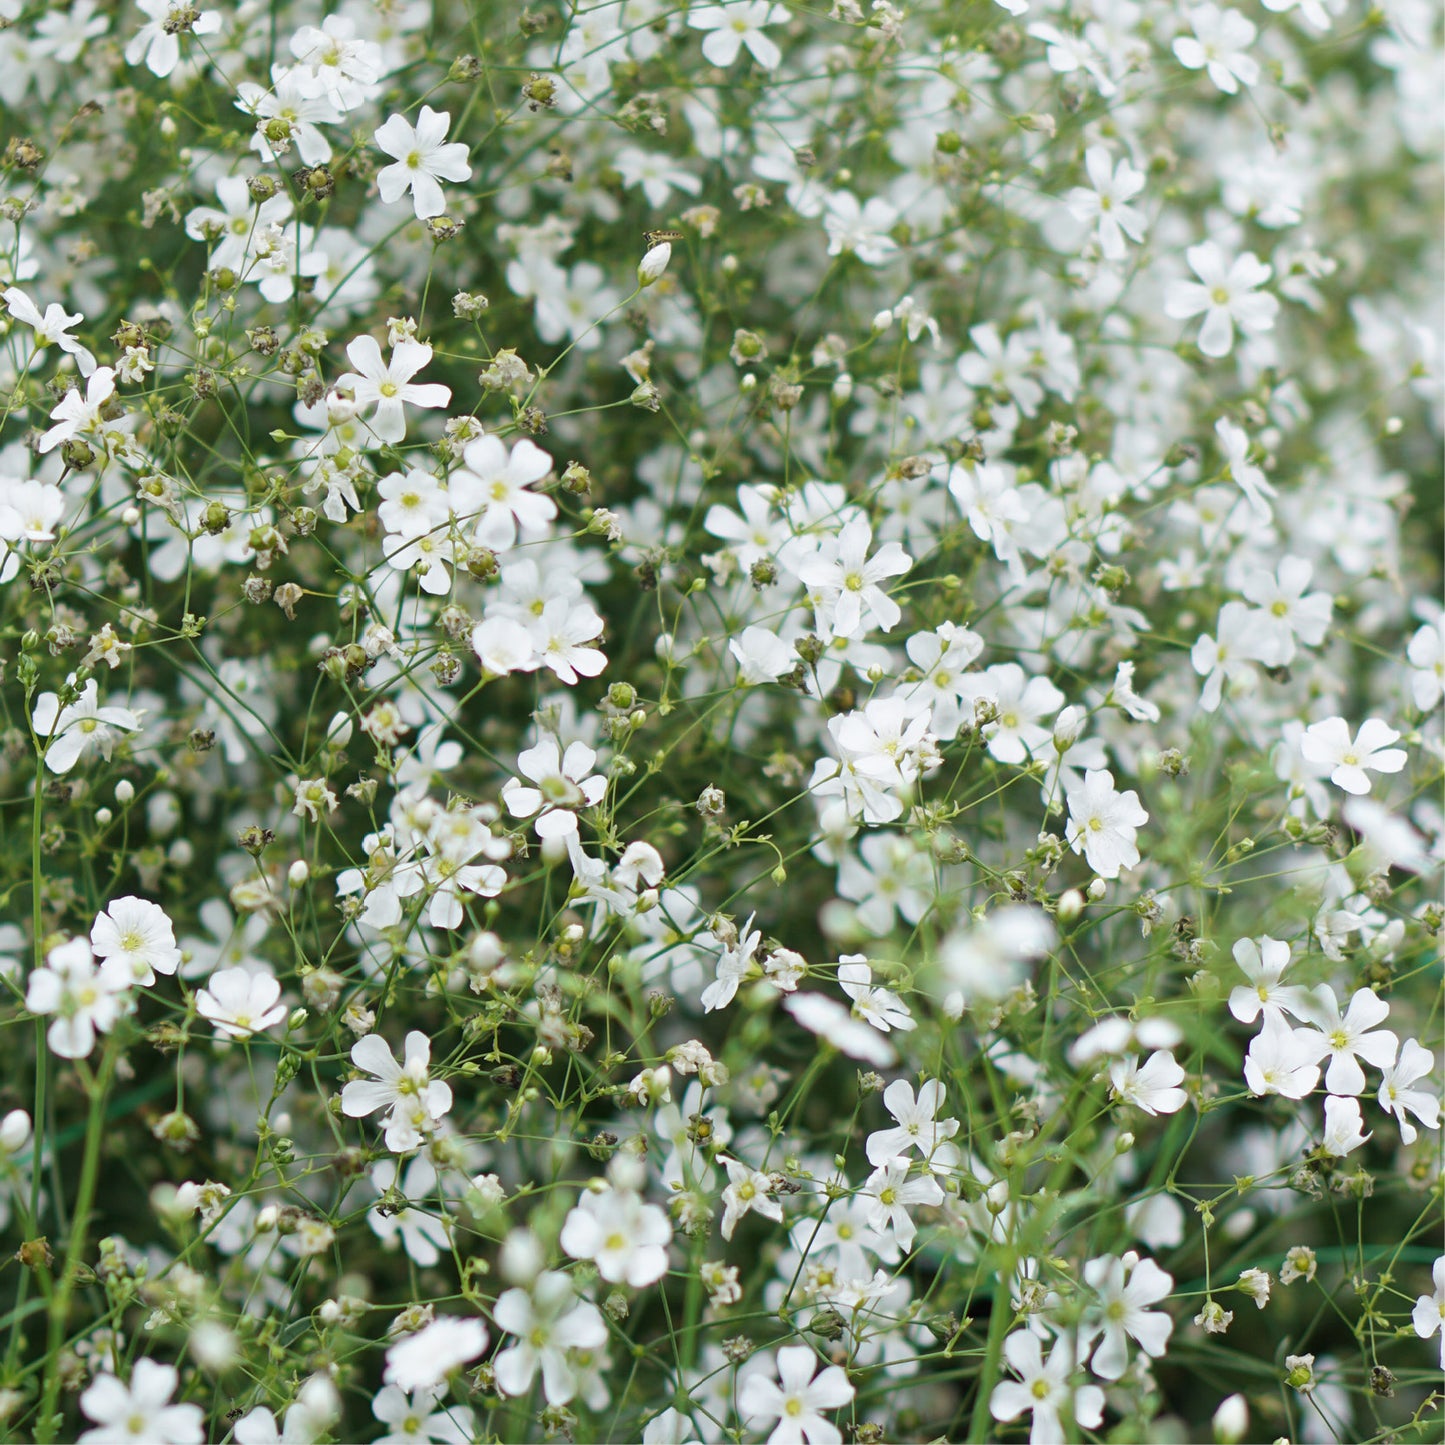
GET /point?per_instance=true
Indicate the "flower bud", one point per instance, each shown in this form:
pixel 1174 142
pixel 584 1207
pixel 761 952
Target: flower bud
pixel 1067 727
pixel 654 263
pixel 1070 905
pixel 1231 1420
pixel 298 873
pixel 14 1131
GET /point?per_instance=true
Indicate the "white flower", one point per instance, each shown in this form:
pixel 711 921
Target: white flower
pixel 762 655
pixel 1328 744
pixel 504 646
pixel 1227 292
pixel 79 725
pixel 1344 1126
pixel 1283 1060
pixel 240 1003
pixel 835 1025
pixel 1350 1033
pixel 429 1356
pixel 1225 656
pixel 624 1237
pixel 890 1193
pixel 849 579
pixel 1154 1088
pixel 1103 822
pixel 548 1322
pixel 141 1410
pixel 1218 45
pixel 51 328
pixel 560 638
pixel 492 485
pixel 1263 962
pixel 85 1000
pixel 737 24
pixel 1126 1287
pixel 388 385
pixel 861 230
pixel 1286 611
pixel 415 1102
pixel 158 41
pixel 1426 655
pixel 414 1422
pixel 1399 1096
pixel 917 1125
pixel 796 1399
pixel 1106 205
pixel 880 1007
pixel 747 1192
pixel 75 413
pixel 563 783
pixel 1234 443
pixel 134 940
pixel 1044 1389
pixel 423 158
pixel 1429 1313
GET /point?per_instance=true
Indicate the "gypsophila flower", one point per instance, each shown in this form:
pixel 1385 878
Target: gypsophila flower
pixel 423 158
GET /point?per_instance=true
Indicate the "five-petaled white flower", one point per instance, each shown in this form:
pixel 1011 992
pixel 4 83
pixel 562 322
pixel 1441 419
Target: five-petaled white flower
pixel 1103 823
pixel 238 1003
pixel 1328 744
pixel 1228 294
pixel 1104 203
pixel 423 157
pixel 796 1399
pixel 134 940
pixel 79 725
pixel 1126 1287
pixel 414 1100
pixel 51 328
pixel 1043 1388
pixel 388 385
pixel 732 26
pixel 158 41
pixel 1218 46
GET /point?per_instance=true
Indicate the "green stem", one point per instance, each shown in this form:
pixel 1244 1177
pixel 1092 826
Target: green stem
pixel 999 1319
pixel 80 1222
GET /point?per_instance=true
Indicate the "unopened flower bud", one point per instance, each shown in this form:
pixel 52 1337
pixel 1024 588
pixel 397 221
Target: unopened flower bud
pixel 654 263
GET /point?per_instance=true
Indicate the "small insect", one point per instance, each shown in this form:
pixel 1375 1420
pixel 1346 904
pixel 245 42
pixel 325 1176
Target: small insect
pixel 656 238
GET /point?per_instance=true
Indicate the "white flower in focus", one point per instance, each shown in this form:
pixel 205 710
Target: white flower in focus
pixel 79 725
pixel 141 1410
pixel 415 1102
pixel 1399 1095
pixel 1344 1126
pixel 1429 1313
pixel 796 1399
pixel 1044 1389
pixel 75 413
pixel 1352 1033
pixel 1103 822
pixel 51 328
pixel 1153 1088
pixel 1126 1287
pixel 134 940
pixel 388 385
pixel 423 159
pixel 1328 744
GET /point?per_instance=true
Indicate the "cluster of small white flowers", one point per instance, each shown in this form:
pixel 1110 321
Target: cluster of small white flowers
pixel 649 678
